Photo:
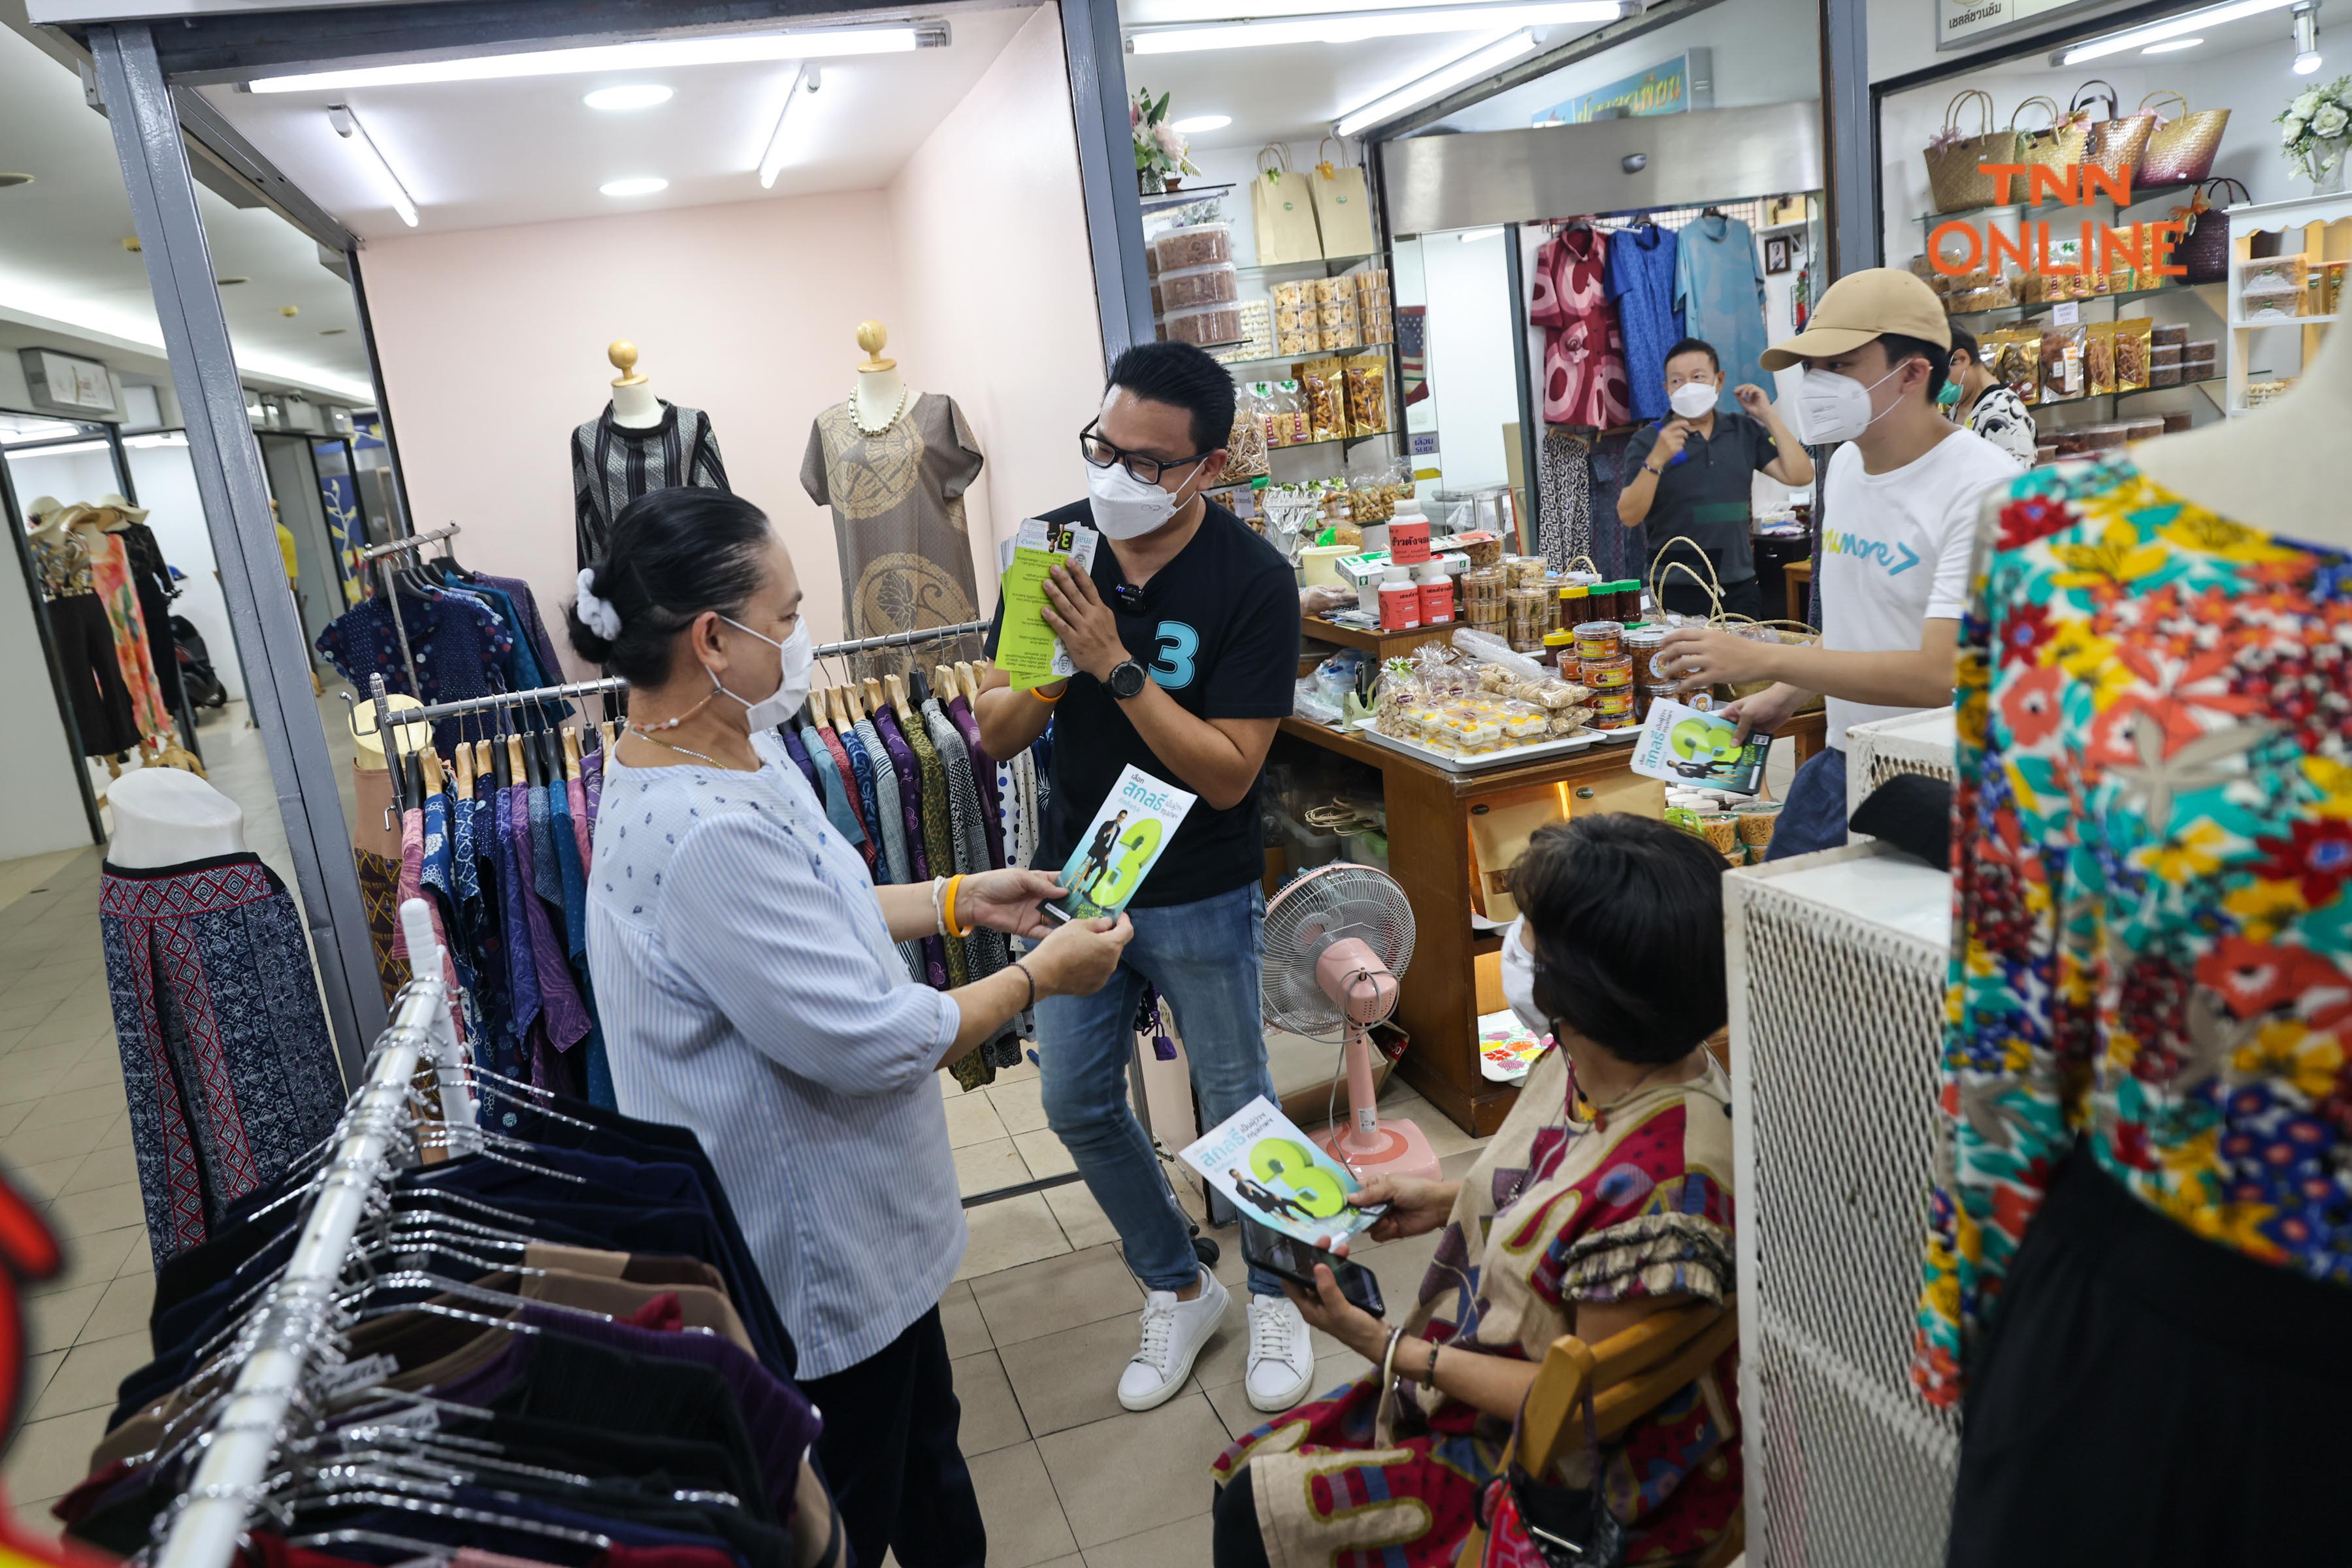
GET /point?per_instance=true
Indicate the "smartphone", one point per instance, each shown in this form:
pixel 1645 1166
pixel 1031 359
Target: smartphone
pixel 1055 914
pixel 1294 1260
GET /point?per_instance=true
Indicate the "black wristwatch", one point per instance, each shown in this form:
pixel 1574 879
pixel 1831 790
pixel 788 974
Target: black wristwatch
pixel 1126 680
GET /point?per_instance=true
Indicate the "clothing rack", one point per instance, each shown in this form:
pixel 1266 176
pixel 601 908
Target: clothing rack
pixel 297 1320
pixel 381 554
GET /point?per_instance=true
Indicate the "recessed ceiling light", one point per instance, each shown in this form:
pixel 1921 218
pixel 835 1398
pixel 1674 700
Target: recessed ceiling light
pixel 6 181
pixel 2173 47
pixel 627 96
pixel 1200 122
pixel 637 185
pixel 231 282
pixel 648 55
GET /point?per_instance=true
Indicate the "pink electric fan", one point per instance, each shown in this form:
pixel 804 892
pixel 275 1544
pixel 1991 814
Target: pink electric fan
pixel 1336 940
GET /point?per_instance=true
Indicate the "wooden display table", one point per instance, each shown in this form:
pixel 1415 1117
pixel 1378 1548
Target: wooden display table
pixel 1429 816
pixel 1380 645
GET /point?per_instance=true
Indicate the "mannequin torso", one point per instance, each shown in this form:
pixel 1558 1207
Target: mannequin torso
pixel 166 817
pixel 634 406
pixel 880 396
pixel 2285 469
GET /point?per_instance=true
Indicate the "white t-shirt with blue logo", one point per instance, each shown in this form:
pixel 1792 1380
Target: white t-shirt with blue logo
pixel 1895 552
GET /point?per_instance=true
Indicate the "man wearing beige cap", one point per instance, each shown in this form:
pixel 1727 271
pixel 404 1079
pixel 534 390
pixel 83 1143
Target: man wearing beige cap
pixel 1898 513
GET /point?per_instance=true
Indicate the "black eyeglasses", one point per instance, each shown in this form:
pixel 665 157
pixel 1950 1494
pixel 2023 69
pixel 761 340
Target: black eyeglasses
pixel 1103 455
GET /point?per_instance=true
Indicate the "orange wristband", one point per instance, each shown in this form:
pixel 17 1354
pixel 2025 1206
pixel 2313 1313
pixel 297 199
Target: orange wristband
pixel 1039 693
pixel 955 928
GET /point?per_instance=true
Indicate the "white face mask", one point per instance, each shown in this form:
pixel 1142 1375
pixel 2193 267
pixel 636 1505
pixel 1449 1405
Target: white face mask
pixel 1520 982
pixel 1833 407
pixel 1692 399
pixel 1126 508
pixel 791 679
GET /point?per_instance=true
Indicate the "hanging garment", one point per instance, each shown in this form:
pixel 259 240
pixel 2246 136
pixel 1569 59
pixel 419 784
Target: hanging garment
pixel 561 1009
pixel 151 576
pixel 837 781
pixel 796 750
pixel 411 885
pixel 1564 499
pixel 486 914
pixel 861 775
pixel 595 1070
pixel 1720 284
pixel 226 1063
pixel 1639 282
pixel 1584 360
pixel 939 829
pixel 514 928
pixel 897 497
pixel 613 465
pixel 934 970
pixel 109 569
pixel 1618 553
pixel 983 778
pixel 986 952
pixel 459 644
pixel 94 685
pixel 575 809
pixel 890 822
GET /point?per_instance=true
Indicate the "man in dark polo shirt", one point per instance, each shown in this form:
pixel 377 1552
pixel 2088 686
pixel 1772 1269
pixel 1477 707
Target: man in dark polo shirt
pixel 1185 635
pixel 1693 480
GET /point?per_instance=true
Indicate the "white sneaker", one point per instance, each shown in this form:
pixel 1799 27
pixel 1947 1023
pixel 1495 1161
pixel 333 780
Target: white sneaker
pixel 1281 1355
pixel 1173 1333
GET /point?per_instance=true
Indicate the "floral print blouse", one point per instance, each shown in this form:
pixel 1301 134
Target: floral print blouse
pixel 2153 944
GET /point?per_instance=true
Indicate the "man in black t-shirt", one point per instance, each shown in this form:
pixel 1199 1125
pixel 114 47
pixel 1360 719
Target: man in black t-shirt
pixel 1186 639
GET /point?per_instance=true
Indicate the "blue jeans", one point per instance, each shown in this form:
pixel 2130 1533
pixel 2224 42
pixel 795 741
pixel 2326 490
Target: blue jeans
pixel 1204 958
pixel 1814 816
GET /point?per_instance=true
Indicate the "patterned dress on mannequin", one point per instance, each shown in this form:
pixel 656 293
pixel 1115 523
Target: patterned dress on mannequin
pixel 897 496
pixel 110 570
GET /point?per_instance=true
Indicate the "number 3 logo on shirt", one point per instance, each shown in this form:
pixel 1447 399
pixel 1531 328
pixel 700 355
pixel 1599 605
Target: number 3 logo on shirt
pixel 1172 666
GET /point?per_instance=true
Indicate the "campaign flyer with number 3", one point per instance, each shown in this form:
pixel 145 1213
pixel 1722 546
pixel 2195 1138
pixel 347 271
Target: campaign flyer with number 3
pixel 1121 845
pixel 1273 1174
pixel 1026 648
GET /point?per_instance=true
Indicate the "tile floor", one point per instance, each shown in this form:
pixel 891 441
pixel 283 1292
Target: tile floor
pixel 1041 1319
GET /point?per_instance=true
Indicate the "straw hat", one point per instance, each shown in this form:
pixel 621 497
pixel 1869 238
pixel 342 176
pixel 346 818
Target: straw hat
pixel 113 502
pixel 42 507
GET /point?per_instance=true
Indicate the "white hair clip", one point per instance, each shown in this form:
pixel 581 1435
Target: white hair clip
pixel 597 614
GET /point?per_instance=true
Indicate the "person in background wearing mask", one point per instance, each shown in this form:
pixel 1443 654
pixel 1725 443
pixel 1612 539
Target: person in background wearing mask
pixel 1186 639
pixel 1693 481
pixel 745 968
pixel 1899 518
pixel 1979 401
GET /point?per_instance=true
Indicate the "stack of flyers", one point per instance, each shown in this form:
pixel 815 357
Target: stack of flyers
pixel 1683 745
pixel 1120 845
pixel 1506 1047
pixel 1274 1174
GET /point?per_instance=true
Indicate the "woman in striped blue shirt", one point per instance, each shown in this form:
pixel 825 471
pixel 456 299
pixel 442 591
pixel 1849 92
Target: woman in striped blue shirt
pixel 745 968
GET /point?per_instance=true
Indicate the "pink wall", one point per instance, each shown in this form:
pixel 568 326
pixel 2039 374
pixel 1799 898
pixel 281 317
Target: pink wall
pixel 493 348
pixel 975 256
pixel 997 284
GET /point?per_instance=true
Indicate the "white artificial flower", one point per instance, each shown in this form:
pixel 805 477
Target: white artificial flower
pixel 2304 105
pixel 2330 121
pixel 2290 132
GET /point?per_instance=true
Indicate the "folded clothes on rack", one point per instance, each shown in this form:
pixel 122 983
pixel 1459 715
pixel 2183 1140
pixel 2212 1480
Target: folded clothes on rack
pixel 547 1343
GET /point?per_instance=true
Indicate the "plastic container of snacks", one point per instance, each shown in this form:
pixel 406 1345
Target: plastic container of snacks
pixel 1607 674
pixel 1600 639
pixel 1207 324
pixel 2169 334
pixel 1193 245
pixel 2177 421
pixel 1722 829
pixel 1560 652
pixel 1613 709
pixel 1755 822
pixel 2142 429
pixel 1185 287
pixel 1641 645
pixel 2104 437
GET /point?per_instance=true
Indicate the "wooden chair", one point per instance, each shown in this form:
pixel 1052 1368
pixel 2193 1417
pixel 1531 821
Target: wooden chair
pixel 1629 1375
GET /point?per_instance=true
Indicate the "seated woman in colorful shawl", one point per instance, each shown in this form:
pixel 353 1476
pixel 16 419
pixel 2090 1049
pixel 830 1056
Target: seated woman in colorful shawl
pixel 1605 1197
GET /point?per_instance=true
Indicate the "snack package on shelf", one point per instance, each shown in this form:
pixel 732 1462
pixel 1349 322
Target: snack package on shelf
pixel 2099 359
pixel 1318 383
pixel 1298 417
pixel 2062 352
pixel 2135 345
pixel 1366 381
pixel 1245 452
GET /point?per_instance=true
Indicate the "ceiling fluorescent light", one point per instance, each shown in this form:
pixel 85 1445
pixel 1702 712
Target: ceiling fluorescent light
pixel 2159 32
pixel 636 185
pixel 647 55
pixel 347 126
pixel 1479 62
pixel 1200 122
pixel 1354 27
pixel 2174 47
pixel 627 96
pixel 66 449
pixel 778 151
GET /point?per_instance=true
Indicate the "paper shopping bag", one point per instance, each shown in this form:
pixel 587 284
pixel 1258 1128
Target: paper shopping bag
pixel 1343 210
pixel 1283 212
